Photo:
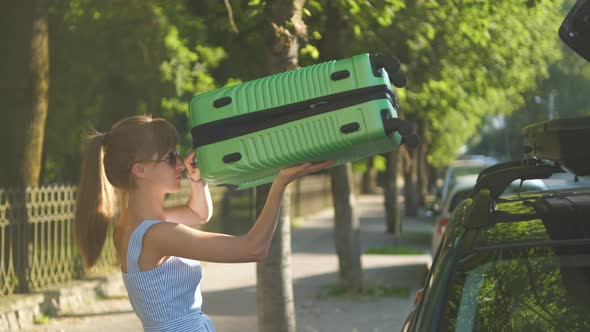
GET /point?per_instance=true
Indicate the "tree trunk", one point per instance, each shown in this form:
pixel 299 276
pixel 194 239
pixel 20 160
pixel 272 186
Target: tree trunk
pixel 423 168
pixel 274 291
pixel 392 206
pixel 274 295
pixel 346 222
pixel 369 182
pixel 346 229
pixel 411 182
pixel 24 87
pixel 422 175
pixel 434 174
pixel 332 45
pixel 225 220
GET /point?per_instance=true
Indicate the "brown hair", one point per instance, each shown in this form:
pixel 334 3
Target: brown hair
pixel 106 165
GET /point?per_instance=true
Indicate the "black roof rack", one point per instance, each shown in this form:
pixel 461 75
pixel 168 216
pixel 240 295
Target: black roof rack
pixel 562 141
pixel 565 217
pixel 515 163
pixel 498 177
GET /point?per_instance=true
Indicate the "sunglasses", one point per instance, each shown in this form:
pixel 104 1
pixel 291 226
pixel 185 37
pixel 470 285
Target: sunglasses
pixel 171 157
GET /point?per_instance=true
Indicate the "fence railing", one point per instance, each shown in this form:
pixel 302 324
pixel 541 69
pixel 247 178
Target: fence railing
pixel 36 229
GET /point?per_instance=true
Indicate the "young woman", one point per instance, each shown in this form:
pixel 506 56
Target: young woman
pixel 158 250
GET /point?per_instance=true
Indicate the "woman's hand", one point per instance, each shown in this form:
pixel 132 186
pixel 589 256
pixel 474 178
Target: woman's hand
pixel 287 175
pixel 192 171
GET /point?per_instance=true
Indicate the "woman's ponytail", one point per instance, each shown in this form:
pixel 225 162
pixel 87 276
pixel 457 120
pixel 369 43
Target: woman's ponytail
pixel 106 165
pixel 95 202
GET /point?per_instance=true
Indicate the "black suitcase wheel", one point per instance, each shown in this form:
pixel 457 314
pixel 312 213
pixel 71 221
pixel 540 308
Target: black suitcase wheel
pixel 398 79
pixel 391 65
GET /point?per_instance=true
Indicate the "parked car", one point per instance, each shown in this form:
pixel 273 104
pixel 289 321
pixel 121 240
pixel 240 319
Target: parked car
pixel 511 262
pixel 461 190
pixel 466 165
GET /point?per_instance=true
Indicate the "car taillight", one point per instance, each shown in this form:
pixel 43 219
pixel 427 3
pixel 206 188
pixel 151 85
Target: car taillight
pixel 442 225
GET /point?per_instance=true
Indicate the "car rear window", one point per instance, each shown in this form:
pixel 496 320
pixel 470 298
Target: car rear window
pixel 515 232
pixel 521 289
pixel 529 229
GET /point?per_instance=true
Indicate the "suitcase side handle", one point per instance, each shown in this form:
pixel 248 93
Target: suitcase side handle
pixel 391 124
pixel 392 65
pixel 404 127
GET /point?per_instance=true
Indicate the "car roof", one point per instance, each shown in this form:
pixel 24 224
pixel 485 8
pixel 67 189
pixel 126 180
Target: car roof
pixel 466 182
pixel 492 217
pixel 525 224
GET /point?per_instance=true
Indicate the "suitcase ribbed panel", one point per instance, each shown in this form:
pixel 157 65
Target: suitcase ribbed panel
pixel 292 144
pixel 291 87
pixel 285 88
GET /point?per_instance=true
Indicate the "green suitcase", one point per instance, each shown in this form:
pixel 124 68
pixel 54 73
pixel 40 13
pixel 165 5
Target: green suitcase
pixel 338 110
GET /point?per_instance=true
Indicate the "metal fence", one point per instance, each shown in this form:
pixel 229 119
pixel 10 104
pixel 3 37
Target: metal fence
pixel 36 229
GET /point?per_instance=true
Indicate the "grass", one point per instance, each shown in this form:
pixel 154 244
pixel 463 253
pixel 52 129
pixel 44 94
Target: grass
pixel 297 222
pixel 41 319
pixel 369 290
pixel 399 250
pixel 419 237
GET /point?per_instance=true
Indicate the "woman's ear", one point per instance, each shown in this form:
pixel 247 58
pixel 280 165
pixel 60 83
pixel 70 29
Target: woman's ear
pixel 138 170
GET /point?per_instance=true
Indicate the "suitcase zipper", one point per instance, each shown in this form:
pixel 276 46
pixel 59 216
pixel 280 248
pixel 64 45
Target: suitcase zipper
pixel 224 129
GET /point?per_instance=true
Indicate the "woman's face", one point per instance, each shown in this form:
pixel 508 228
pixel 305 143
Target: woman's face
pixel 166 172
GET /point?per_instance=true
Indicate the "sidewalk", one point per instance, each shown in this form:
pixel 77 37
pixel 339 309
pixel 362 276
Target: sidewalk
pixel 229 290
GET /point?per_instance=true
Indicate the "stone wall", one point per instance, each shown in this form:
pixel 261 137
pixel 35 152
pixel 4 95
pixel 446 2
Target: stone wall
pixel 19 311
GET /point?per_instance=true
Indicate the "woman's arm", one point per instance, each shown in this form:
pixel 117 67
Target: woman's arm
pixel 199 208
pixel 170 239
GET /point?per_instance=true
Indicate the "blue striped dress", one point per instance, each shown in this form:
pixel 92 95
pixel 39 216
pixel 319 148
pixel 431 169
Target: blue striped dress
pixel 167 297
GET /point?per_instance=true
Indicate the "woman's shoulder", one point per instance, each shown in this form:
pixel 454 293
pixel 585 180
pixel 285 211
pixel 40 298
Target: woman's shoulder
pixel 158 226
pixel 124 232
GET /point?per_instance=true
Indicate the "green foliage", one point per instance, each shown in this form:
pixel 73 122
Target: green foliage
pixel 110 60
pixel 482 58
pixel 464 59
pixel 568 84
pixel 41 319
pixel 393 251
pixel 244 58
pixel 360 166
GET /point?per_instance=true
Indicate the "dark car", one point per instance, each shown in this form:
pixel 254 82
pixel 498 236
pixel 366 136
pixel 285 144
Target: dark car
pixel 523 265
